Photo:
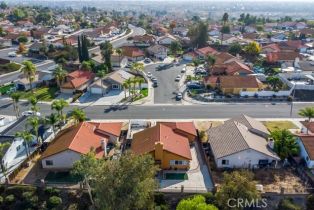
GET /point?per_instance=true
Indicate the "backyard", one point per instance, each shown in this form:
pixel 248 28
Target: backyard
pixel 42 93
pixel 275 125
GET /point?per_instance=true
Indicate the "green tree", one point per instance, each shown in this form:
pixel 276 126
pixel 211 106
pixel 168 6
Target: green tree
pixel 127 182
pixel 78 115
pixel 102 74
pixel 275 82
pixel 27 138
pixel 125 86
pixel 3 148
pixel 59 105
pixel 198 34
pixel 34 123
pixel 235 185
pixel 15 96
pixel 29 70
pixel 285 144
pixel 307 112
pixel 175 47
pixel 287 204
pixel 224 30
pixel 52 120
pixel 140 81
pixel 197 202
pixel 211 60
pixel 86 65
pixel 225 18
pixel 87 165
pixel 138 67
pixel 82 48
pixel 3 5
pixel 119 52
pixel 18 14
pixel 235 49
pixel 106 51
pixel 253 49
pixel 22 39
pixel 60 74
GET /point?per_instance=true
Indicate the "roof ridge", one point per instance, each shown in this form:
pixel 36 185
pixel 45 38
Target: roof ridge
pixel 238 128
pixel 74 137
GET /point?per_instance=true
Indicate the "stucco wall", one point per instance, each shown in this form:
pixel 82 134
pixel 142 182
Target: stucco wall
pixel 62 160
pixel 304 155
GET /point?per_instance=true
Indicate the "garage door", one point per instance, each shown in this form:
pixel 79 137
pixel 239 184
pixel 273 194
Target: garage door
pixel 96 90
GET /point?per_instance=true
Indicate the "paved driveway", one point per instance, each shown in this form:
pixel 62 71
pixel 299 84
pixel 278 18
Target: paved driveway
pixel 165 93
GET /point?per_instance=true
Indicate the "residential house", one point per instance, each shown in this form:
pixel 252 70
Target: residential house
pixel 167 39
pixel 282 57
pixel 168 143
pixel 118 60
pixel 181 31
pixel 145 40
pixel 78 140
pixel 158 51
pixel 306 142
pixel 190 56
pixel 44 77
pixel 270 48
pixel 77 81
pixel 237 84
pixel 204 52
pixel 293 45
pixel 281 37
pixel 133 53
pixel 234 145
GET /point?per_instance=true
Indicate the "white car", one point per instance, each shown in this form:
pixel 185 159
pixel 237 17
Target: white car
pixel 183 70
pixel 149 75
pixel 179 96
pixel 12 54
pixel 177 79
pixel 30 113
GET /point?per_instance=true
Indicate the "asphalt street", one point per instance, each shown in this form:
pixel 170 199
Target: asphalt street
pixel 165 93
pixel 171 111
pixel 120 42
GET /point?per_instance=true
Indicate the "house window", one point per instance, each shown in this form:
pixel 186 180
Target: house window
pixel 178 162
pixel 225 162
pixel 115 86
pixel 49 163
pixel 18 148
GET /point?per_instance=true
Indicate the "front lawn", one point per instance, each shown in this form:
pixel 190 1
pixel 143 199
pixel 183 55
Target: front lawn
pixel 275 125
pixel 9 67
pixel 42 93
pixel 4 89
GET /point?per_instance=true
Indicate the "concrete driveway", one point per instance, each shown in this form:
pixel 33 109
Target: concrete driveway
pixel 165 93
pixel 111 98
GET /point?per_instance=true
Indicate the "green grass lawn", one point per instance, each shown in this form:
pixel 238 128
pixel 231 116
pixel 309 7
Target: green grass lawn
pixel 42 93
pixel 62 177
pixel 6 88
pixel 176 176
pixel 275 125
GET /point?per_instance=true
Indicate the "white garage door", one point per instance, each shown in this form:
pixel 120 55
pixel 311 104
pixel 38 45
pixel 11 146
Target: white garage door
pixel 96 90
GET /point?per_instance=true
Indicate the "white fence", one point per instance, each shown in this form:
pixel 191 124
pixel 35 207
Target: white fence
pixel 283 93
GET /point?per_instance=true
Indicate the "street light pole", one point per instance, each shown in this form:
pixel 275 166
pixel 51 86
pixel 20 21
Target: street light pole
pixel 293 93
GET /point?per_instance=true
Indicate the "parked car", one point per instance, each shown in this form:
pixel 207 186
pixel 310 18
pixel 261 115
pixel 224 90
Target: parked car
pixel 183 70
pixel 155 83
pixel 149 75
pixel 129 65
pixel 29 113
pixel 12 54
pixel 164 66
pixel 147 60
pixel 177 79
pixel 179 96
pixel 153 79
pixel 194 85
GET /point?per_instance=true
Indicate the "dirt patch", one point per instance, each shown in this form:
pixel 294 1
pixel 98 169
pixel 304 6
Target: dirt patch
pixel 205 125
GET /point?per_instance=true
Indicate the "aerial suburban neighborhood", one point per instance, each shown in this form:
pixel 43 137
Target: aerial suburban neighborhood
pixel 137 105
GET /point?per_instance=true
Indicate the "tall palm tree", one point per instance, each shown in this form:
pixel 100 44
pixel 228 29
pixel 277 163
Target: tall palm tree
pixel 3 149
pixel 134 83
pixel 78 115
pixel 129 83
pixel 125 86
pixel 138 67
pixel 27 138
pixel 140 81
pixel 119 52
pixel 29 71
pixel 34 123
pixel 101 74
pixel 52 120
pixel 307 112
pixel 60 74
pixel 16 98
pixel 33 101
pixel 59 105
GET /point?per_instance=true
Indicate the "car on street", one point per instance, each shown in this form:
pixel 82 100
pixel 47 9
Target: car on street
pixel 153 79
pixel 12 54
pixel 178 78
pixel 155 83
pixel 183 70
pixel 164 66
pixel 147 60
pixel 29 113
pixel 179 96
pixel 194 85
pixel 149 75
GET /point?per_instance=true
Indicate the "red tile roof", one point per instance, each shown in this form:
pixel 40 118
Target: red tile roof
pixel 132 52
pixel 79 138
pixel 308 142
pixel 78 78
pixel 205 51
pixel 282 56
pixel 308 125
pixel 144 141
pixel 237 67
pixel 187 127
pixel 111 128
pixel 274 47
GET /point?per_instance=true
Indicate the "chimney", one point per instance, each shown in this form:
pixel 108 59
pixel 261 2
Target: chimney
pixel 103 144
pixel 271 143
pixel 159 148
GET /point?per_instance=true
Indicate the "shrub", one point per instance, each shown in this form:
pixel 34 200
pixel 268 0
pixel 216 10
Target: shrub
pixel 1 200
pixel 159 199
pixel 209 198
pixel 52 191
pixel 9 199
pixel 18 190
pixel 73 206
pixel 54 201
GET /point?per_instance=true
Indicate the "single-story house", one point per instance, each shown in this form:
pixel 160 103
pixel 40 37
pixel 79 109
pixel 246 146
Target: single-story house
pixel 78 140
pixel 282 57
pixel 167 39
pixel 233 145
pixel 77 81
pixel 133 53
pixel 145 40
pixel 236 84
pixel 204 52
pixel 270 48
pixel 306 143
pixel 168 144
pixel 158 51
pixel 41 77
pixel 190 56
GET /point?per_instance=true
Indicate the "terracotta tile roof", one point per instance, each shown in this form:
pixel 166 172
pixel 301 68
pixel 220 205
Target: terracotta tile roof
pixel 236 66
pixel 223 57
pixel 210 80
pixel 78 78
pixel 238 82
pixel 308 125
pixel 205 51
pixel 132 52
pixel 282 56
pixel 146 38
pixel 308 142
pixel 144 141
pixel 79 138
pixel 273 46
pixel 111 128
pixel 295 44
pixel 187 127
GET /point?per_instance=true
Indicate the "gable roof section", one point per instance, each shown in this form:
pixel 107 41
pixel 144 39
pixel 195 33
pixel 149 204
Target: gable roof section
pixel 78 78
pixel 187 127
pixel 119 76
pixel 236 66
pixel 238 82
pixel 111 128
pixel 132 52
pixel 233 137
pixel 206 51
pixel 144 141
pixel 308 143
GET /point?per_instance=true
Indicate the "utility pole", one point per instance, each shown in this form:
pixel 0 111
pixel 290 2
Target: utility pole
pixel 291 105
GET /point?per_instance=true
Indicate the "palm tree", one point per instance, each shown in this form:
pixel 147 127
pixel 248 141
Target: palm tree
pixel 129 83
pixel 101 74
pixel 52 120
pixel 125 86
pixel 138 67
pixel 33 101
pixel 211 60
pixel 3 149
pixel 60 75
pixel 59 105
pixel 27 137
pixel 134 82
pixel 307 112
pixel 225 18
pixel 29 71
pixel 140 80
pixel 78 115
pixel 119 52
pixel 34 123
pixel 285 144
pixel 16 98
